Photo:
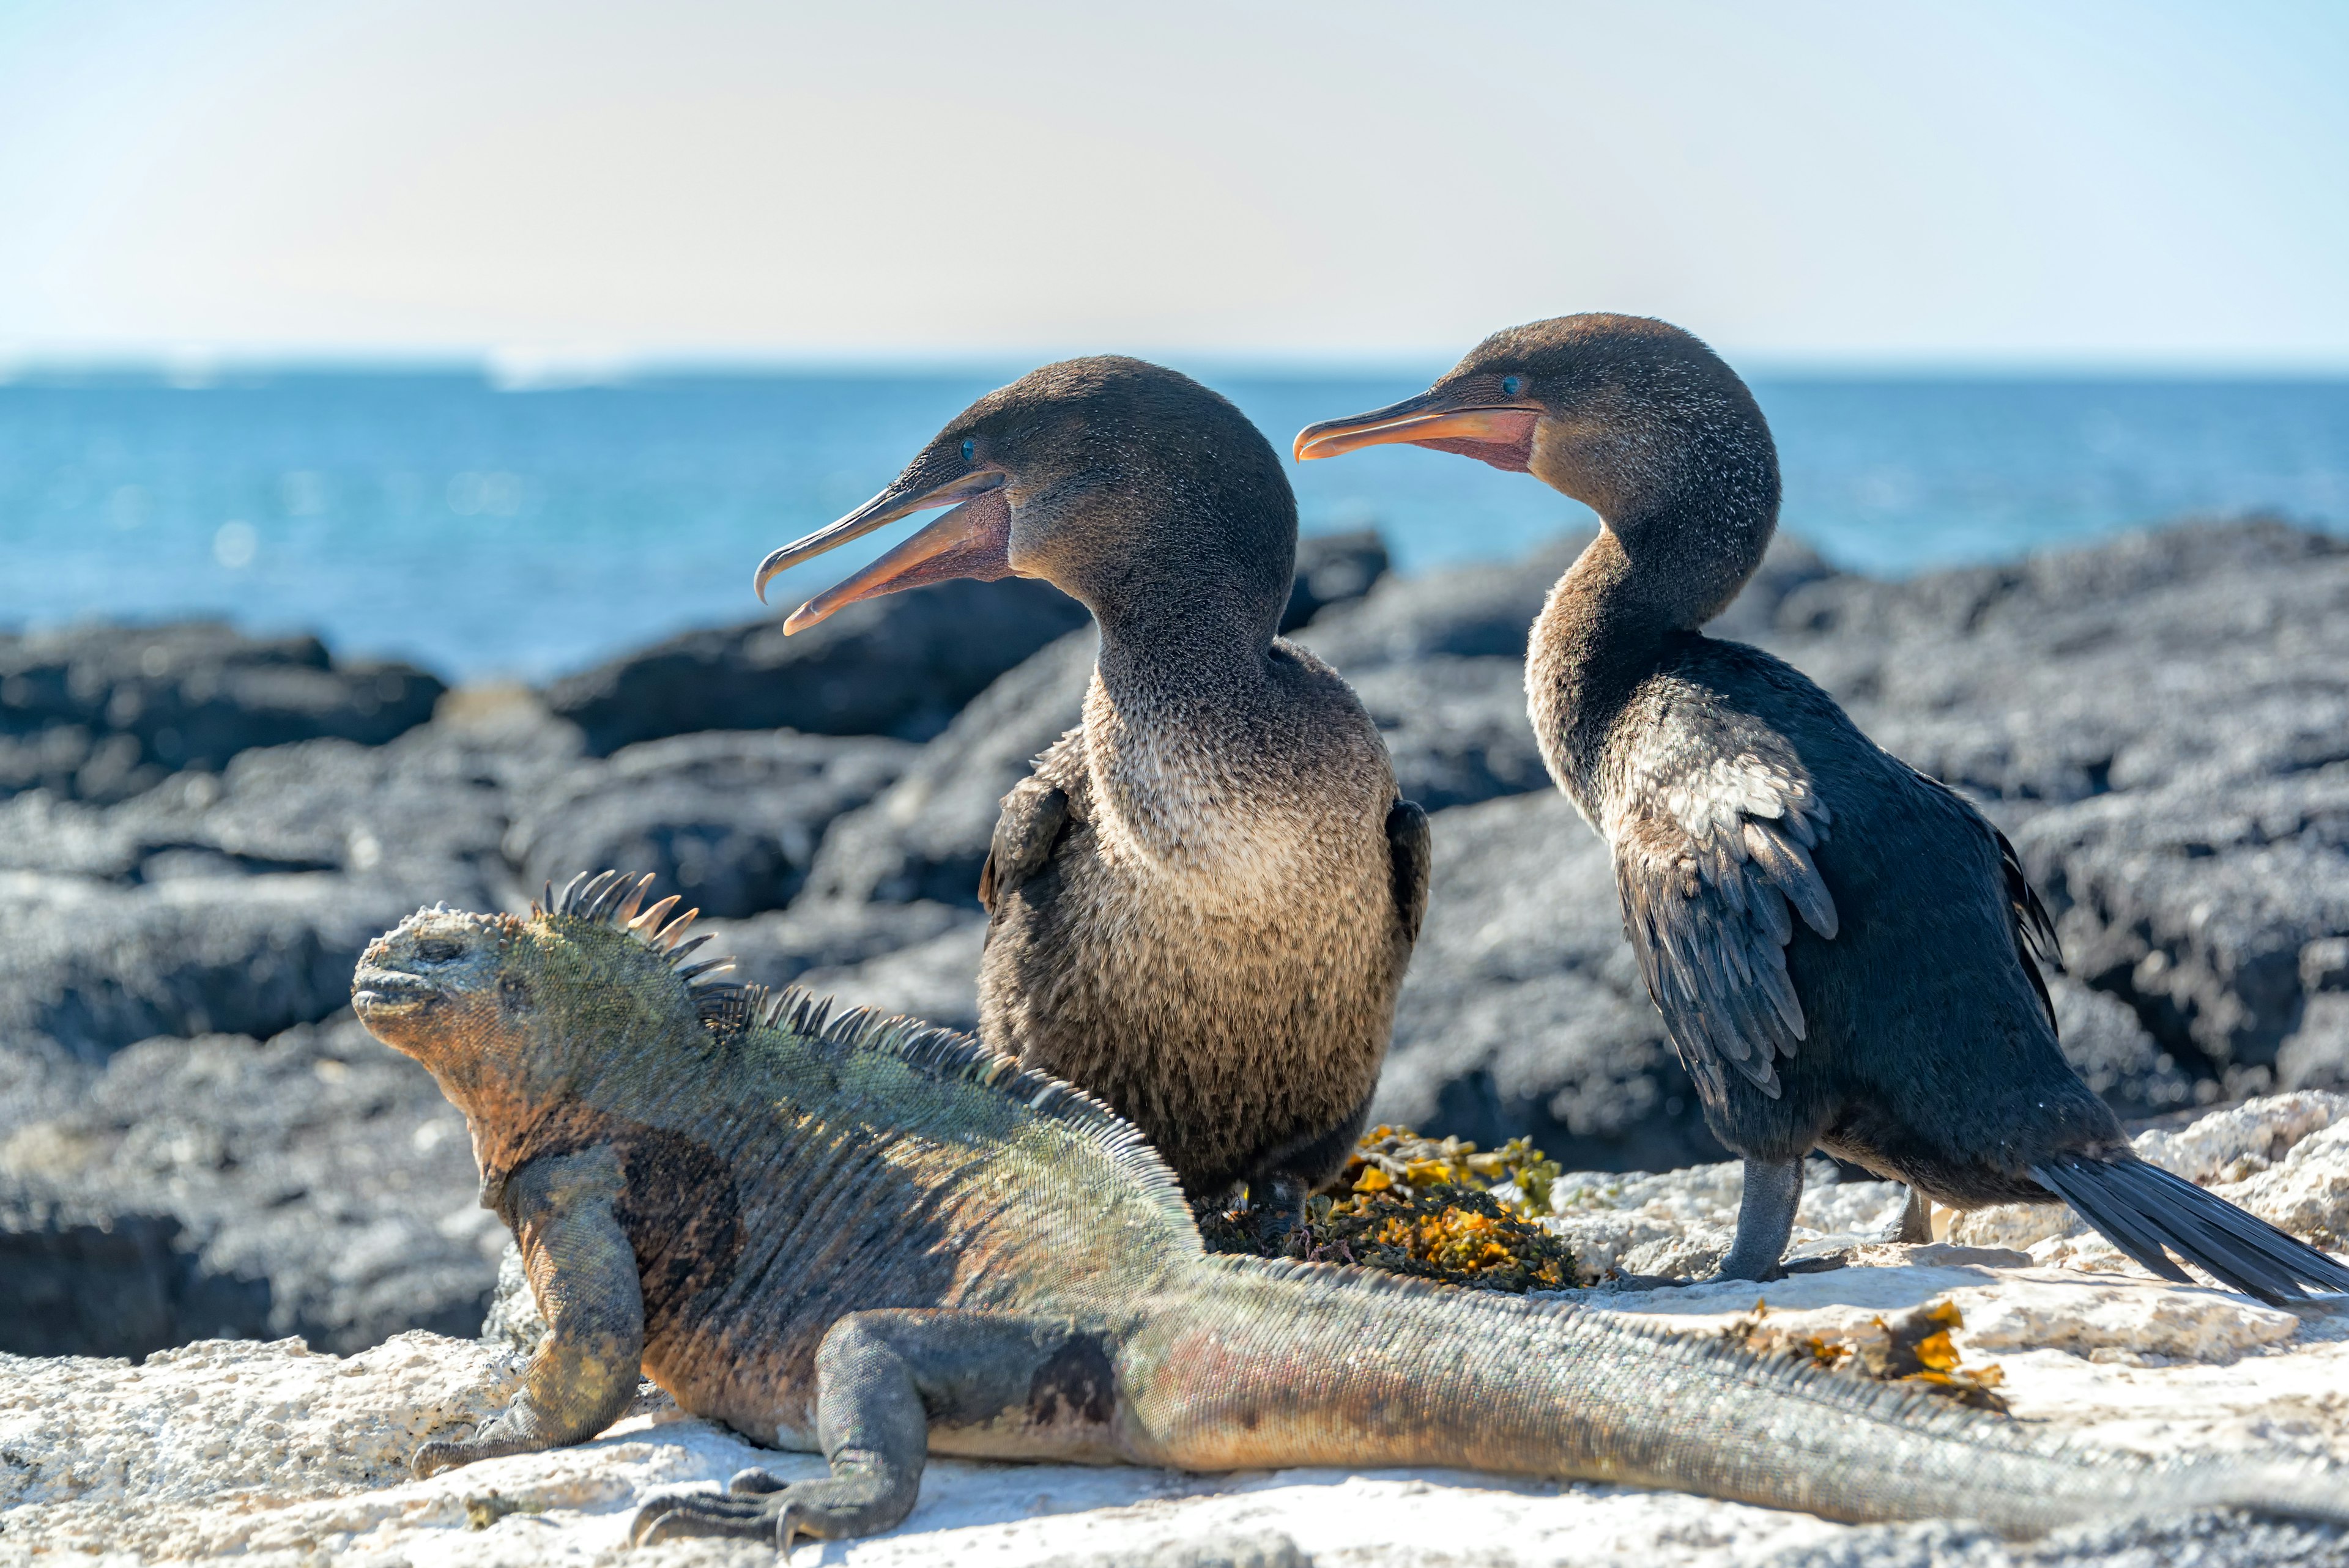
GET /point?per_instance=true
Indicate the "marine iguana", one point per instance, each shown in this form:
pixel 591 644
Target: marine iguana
pixel 1844 949
pixel 1202 902
pixel 877 1240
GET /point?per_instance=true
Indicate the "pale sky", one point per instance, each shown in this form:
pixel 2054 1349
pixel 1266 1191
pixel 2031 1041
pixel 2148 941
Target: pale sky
pixel 2074 184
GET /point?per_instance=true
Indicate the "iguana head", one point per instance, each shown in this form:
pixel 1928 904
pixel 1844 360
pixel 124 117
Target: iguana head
pixel 507 1012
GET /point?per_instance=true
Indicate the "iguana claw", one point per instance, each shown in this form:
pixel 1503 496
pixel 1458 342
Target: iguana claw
pixel 764 1514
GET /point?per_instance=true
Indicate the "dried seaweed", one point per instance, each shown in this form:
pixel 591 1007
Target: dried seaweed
pixel 1432 1210
pixel 1913 1347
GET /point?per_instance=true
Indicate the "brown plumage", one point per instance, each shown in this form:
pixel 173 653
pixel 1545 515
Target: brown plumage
pixel 1202 903
pixel 1843 949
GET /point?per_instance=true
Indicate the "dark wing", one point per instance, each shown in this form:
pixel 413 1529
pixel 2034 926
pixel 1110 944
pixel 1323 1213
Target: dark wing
pixel 1712 864
pixel 2034 932
pixel 1410 854
pixel 1035 815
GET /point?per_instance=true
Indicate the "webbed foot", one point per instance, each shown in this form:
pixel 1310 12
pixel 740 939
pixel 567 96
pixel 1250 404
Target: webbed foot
pixel 863 1496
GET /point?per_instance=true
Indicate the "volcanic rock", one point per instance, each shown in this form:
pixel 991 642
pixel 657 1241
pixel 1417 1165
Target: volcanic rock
pixel 317 1184
pixel 730 820
pixel 102 712
pixel 899 666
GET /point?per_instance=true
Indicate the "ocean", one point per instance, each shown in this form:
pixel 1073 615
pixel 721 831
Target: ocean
pixel 487 533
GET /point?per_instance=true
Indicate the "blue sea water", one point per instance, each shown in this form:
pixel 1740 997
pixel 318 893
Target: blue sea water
pixel 490 533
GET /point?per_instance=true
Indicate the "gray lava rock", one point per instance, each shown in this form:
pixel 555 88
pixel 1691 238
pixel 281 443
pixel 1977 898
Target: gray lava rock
pixel 2317 1054
pixel 2109 1047
pixel 728 820
pixel 87 968
pixel 937 980
pixel 1455 727
pixel 898 665
pixel 1331 569
pixel 779 948
pixel 238 902
pixel 430 808
pixel 2207 650
pixel 102 712
pixel 926 837
pixel 1470 611
pixel 1522 1014
pixel 2196 902
pixel 219 1187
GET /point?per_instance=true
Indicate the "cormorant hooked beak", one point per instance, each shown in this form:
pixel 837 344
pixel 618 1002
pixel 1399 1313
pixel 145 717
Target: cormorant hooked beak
pixel 1449 419
pixel 974 539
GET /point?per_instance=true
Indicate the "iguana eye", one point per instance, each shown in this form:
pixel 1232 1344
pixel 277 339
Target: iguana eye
pixel 437 951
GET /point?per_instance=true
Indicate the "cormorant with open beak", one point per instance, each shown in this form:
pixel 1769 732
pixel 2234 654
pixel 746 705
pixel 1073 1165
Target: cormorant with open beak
pixel 1202 902
pixel 1842 948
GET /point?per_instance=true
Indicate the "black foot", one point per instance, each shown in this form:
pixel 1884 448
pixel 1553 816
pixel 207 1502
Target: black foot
pixel 1913 1225
pixel 1258 1220
pixel 1765 1218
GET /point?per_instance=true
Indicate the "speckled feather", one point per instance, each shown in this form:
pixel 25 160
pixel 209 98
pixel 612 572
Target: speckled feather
pixel 880 1240
pixel 1203 902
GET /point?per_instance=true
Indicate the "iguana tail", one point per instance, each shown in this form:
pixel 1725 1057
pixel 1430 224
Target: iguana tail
pixel 1271 1364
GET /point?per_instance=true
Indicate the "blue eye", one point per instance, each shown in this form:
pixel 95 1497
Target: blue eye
pixel 1509 385
pixel 969 448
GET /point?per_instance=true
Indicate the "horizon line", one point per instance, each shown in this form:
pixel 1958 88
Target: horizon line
pixel 537 369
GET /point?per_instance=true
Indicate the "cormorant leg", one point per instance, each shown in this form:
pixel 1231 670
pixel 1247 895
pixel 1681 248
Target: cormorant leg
pixel 1284 1207
pixel 1765 1218
pixel 1914 1224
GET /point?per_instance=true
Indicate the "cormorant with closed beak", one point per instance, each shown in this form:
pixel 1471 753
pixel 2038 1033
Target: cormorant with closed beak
pixel 1842 948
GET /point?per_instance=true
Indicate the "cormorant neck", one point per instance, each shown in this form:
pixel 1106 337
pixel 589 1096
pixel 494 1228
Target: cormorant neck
pixel 1684 556
pixel 1189 629
pixel 1690 501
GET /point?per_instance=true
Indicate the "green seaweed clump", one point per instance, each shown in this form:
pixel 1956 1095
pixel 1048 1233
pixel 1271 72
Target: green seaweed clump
pixel 1416 1206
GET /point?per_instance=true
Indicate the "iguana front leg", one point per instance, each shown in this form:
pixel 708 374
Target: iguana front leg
pixel 584 1273
pixel 886 1382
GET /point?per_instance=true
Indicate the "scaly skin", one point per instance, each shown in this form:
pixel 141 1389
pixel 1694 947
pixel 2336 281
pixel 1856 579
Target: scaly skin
pixel 879 1241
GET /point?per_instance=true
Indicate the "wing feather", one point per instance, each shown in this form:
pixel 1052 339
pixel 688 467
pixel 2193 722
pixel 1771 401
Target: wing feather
pixel 2036 942
pixel 1411 854
pixel 1713 865
pixel 1034 818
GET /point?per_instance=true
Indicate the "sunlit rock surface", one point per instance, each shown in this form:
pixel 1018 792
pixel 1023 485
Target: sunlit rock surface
pixel 275 1455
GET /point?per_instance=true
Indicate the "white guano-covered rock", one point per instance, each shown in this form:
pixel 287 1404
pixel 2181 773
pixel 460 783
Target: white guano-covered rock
pixel 2145 1319
pixel 277 1458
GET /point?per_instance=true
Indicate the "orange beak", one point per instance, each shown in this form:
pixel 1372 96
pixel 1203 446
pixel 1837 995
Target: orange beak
pixel 1500 435
pixel 974 539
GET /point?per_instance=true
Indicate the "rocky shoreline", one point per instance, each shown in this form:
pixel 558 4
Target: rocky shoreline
pixel 200 831
pixel 286 1457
